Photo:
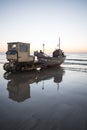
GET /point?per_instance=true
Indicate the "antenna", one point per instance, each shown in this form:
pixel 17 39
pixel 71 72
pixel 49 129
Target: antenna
pixel 58 45
pixel 43 47
pixel 59 42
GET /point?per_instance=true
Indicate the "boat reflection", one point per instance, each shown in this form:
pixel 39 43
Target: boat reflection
pixel 19 83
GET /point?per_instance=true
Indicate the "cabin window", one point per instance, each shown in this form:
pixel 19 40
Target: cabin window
pixel 23 48
pixel 13 47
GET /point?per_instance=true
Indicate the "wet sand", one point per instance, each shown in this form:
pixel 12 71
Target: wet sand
pixel 51 99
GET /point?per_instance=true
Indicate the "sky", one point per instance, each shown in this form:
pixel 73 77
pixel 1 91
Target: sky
pixel 41 22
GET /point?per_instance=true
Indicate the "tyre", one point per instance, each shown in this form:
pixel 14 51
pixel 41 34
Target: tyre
pixel 6 67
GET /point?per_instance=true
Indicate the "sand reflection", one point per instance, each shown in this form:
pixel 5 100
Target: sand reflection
pixel 18 84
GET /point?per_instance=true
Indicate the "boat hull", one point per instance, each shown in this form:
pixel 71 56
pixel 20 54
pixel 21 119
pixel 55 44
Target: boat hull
pixel 51 61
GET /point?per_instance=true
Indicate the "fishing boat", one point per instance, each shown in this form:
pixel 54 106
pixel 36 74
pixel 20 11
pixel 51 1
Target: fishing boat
pixel 57 58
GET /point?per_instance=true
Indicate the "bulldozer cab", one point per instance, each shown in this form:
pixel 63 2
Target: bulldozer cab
pixel 19 52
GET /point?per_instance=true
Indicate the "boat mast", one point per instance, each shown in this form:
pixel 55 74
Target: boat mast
pixel 58 45
pixel 43 47
pixel 59 42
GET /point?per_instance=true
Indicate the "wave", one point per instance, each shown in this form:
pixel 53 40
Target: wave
pixel 76 59
pixel 71 63
pixel 76 64
pixel 2 62
pixel 76 69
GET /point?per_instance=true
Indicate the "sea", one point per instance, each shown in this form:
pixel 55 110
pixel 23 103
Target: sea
pixel 76 61
pixel 48 99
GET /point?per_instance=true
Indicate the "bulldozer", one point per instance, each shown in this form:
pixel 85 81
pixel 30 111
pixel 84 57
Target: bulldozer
pixel 18 57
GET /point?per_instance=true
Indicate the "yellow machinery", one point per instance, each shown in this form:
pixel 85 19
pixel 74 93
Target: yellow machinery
pixel 19 57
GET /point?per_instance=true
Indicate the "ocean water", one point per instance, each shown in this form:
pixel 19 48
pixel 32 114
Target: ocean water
pixel 2 58
pixel 49 99
pixel 76 61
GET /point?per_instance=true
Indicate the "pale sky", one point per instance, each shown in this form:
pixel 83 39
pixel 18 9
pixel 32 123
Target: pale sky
pixel 44 21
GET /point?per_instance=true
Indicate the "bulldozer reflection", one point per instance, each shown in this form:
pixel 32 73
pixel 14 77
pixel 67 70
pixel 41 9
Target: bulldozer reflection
pixel 19 83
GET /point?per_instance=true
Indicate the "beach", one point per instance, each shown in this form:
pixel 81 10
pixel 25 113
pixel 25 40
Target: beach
pixel 50 99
